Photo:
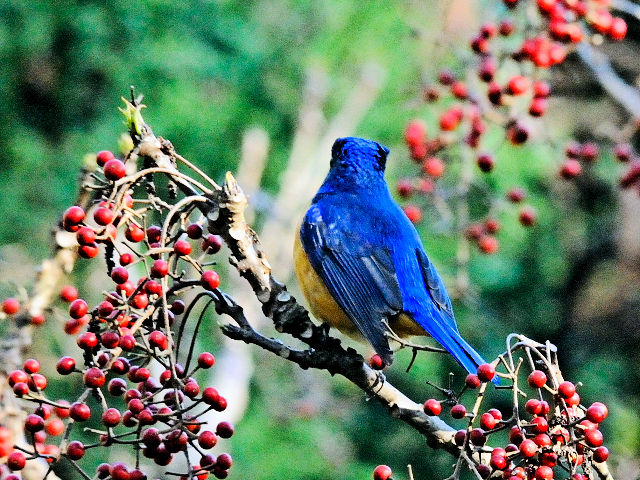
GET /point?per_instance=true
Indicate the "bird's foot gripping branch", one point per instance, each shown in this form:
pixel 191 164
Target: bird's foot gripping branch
pixel 139 342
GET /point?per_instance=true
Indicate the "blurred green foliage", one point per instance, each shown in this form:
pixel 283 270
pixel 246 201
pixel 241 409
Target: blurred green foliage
pixel 211 69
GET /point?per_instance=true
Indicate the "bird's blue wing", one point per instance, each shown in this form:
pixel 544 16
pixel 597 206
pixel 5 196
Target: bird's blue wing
pixel 359 274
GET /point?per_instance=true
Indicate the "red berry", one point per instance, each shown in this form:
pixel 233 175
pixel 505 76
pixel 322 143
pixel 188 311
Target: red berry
pixel 573 400
pixel 73 215
pixel 542 440
pixel 80 412
pixel 210 396
pixel 622 152
pixel 31 365
pixel 376 362
pixel 488 244
pixel 54 427
pixel 515 195
pixel 433 167
pixel 415 133
pixel 69 293
pixel 460 437
pixel 458 411
pixel 182 247
pixel 432 407
pixel 103 157
pixel 538 107
pixel 488 421
pixel 158 340
pixel 593 437
pixel 413 213
pixel 111 417
pixel 528 448
pixel 194 231
pixel 33 423
pixel 485 162
pixel 11 306
pixel 486 372
pixel 210 280
pixel 618 28
pixel 65 365
pixel 159 269
pixel 87 340
pixel 127 342
pixel 600 454
pixel 206 360
pixel 449 120
pixel 119 275
pixel 566 389
pixel 472 381
pixel 224 430
pixel 207 439
pixel 75 450
pixel 527 216
pixel 78 308
pixel 517 133
pixel 88 251
pixel 103 216
pixel 544 473
pixel 478 437
pixel 114 169
pixel 498 462
pixel 126 259
pixel 381 472
pixel 537 379
pixel 533 406
pixel 16 461
pixel 540 425
pixel 134 233
pixel 517 85
pixel 459 88
pixel 94 378
pixel 597 412
pixel 497 414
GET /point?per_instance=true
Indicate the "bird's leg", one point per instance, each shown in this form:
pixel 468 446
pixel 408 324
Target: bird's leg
pixel 405 344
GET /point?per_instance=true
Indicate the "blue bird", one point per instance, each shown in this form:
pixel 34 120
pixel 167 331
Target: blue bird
pixel 360 261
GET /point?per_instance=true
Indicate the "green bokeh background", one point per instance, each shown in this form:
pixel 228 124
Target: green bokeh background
pixel 209 70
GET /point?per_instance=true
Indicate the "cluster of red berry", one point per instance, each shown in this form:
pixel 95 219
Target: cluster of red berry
pixel 503 92
pixel 128 348
pixel 559 436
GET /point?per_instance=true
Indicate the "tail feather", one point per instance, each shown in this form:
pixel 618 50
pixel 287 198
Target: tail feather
pixel 453 342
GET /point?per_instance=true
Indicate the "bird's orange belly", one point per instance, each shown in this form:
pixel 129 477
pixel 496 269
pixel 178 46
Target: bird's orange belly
pixel 321 303
pixel 325 308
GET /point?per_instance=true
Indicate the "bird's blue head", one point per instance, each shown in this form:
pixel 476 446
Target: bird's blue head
pixel 357 165
pixel 357 155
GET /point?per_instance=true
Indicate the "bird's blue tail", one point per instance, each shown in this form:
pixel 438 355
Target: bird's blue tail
pixel 453 342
